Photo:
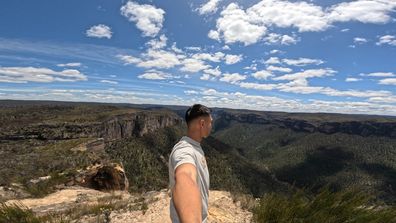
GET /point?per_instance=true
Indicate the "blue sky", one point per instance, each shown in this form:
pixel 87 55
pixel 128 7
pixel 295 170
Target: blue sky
pixel 276 55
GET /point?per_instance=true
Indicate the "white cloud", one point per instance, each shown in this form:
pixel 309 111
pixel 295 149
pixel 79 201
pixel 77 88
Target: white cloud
pixel 262 75
pixel 249 26
pixel 252 66
pixel 175 49
pixel 158 59
pixel 109 82
pixel 273 60
pixel 387 39
pixel 158 44
pixel 216 57
pixel 352 79
pixel 232 78
pixel 379 74
pixel 359 40
pixel 256 86
pixel 275 51
pixel 44 75
pixel 205 77
pixel 226 47
pixel 213 34
pixel 279 69
pixel 148 18
pixel 365 11
pixel 274 38
pixel 307 74
pixel 127 59
pixel 99 31
pixel 209 7
pixel 301 15
pixel 193 48
pixel 214 72
pixel 234 25
pixel 232 59
pixel 388 81
pixel 302 61
pixel 391 100
pixel 193 65
pixel 155 75
pixel 190 92
pixel 69 65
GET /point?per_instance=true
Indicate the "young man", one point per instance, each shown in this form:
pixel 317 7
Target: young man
pixel 188 172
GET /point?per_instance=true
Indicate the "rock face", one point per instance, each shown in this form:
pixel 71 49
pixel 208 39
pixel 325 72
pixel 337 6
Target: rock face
pixel 113 128
pixel 362 128
pixel 222 209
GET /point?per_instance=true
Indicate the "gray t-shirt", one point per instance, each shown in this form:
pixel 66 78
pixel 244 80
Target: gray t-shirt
pixel 188 150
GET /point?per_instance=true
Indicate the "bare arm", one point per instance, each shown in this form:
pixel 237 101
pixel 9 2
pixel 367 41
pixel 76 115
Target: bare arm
pixel 186 194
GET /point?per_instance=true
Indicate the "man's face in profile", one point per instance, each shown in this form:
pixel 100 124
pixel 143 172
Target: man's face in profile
pixel 206 125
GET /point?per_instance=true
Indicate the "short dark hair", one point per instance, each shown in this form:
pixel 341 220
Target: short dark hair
pixel 195 111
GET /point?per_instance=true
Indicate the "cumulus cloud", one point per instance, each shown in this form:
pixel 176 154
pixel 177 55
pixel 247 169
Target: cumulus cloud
pixel 216 57
pixel 250 26
pixel 155 75
pixel 205 77
pixel 232 59
pixel 273 60
pixel 307 74
pixel 279 69
pixel 193 65
pixel 262 75
pixel 127 59
pixel 214 72
pixel 388 81
pixel 365 11
pixel 359 40
pixel 232 78
pixel 257 86
pixel 153 59
pixel 99 31
pixel 148 18
pixel 158 43
pixel 209 7
pixel 387 40
pixel 274 38
pixel 234 25
pixel 35 74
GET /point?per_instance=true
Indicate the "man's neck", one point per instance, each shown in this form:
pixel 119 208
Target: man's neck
pixel 195 137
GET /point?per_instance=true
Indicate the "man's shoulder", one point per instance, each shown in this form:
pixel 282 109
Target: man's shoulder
pixel 183 145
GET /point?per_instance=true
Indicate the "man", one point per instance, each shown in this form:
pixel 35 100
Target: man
pixel 188 172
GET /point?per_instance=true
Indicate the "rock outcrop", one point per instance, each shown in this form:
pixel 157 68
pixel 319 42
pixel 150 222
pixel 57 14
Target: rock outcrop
pixel 129 207
pixel 109 177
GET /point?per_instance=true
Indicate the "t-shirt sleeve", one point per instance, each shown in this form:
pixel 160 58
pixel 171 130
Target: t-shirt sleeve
pixel 181 156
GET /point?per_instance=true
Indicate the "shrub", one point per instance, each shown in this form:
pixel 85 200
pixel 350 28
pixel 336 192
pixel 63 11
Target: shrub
pixel 350 206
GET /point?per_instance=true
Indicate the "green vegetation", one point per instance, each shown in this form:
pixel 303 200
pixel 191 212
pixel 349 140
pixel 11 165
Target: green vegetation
pixel 145 158
pixel 316 159
pixel 350 206
pixel 17 213
pixel 25 160
pixel 248 159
